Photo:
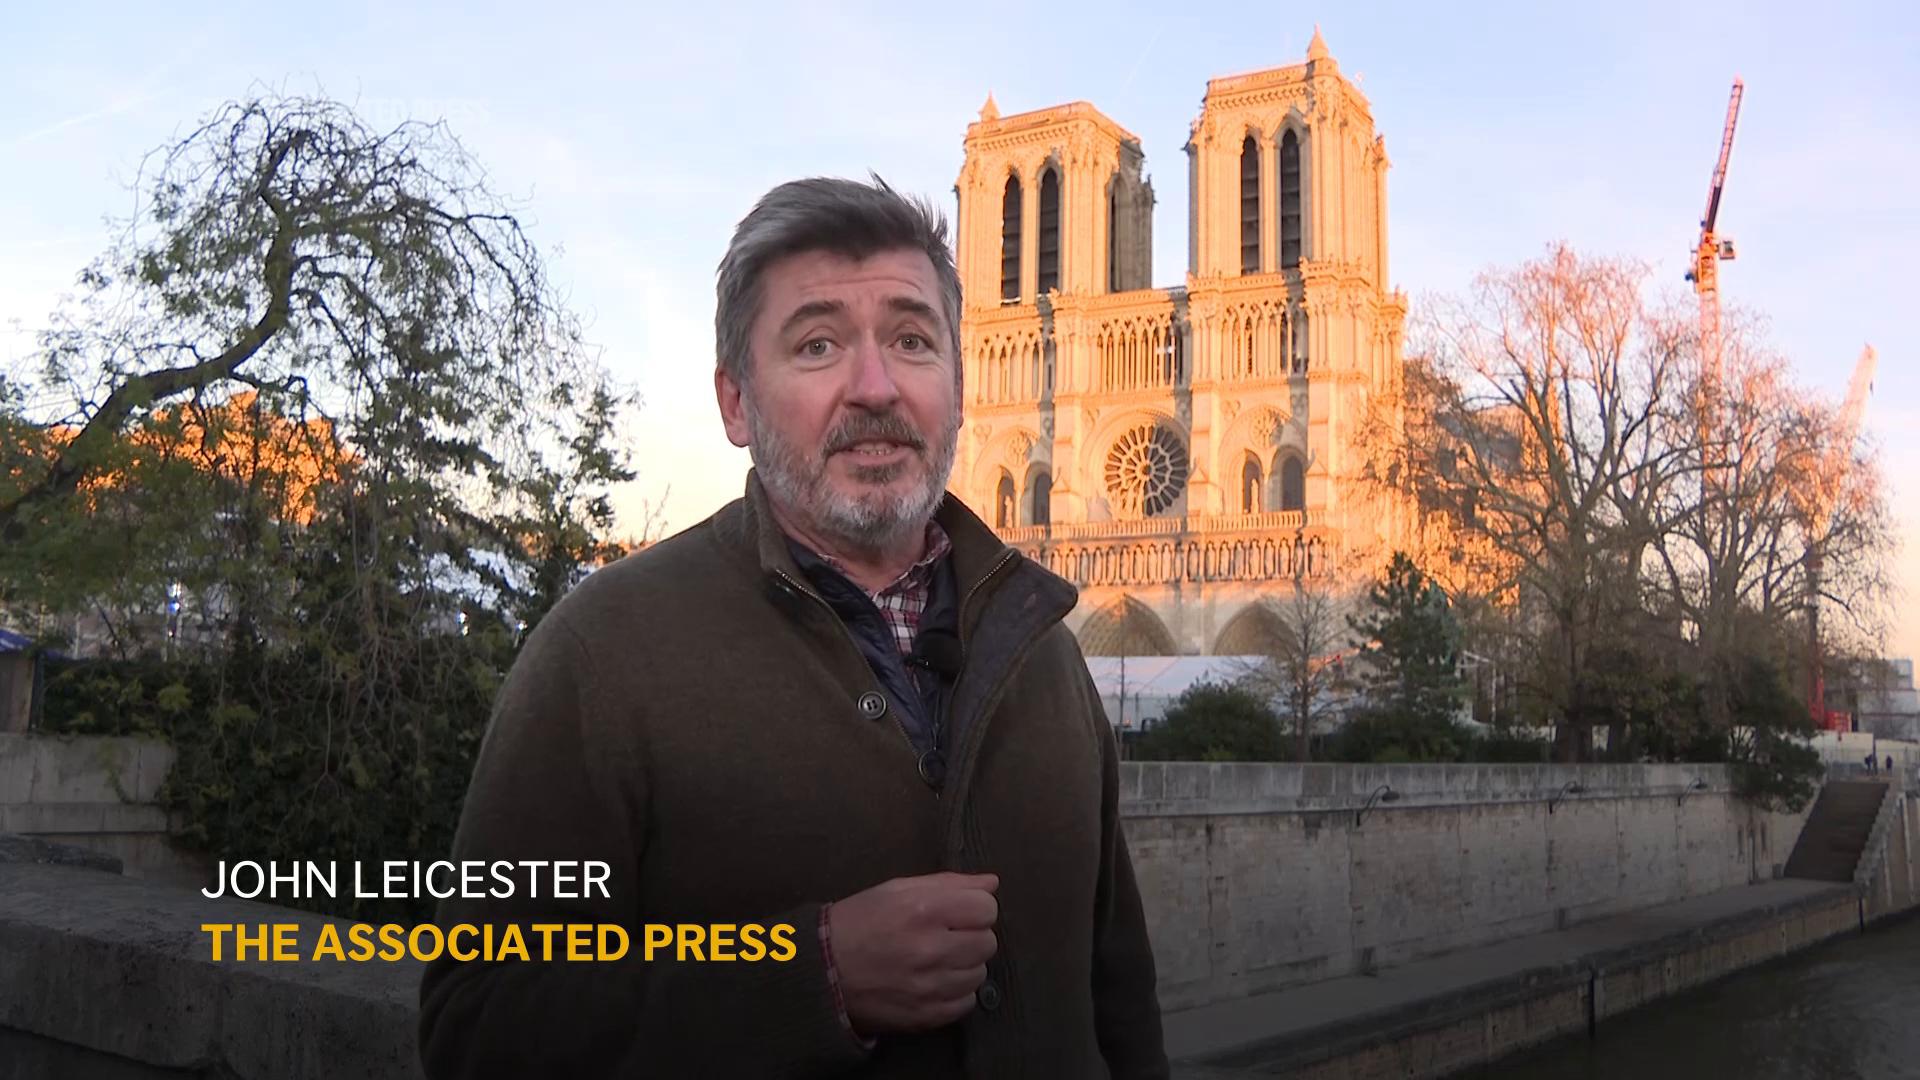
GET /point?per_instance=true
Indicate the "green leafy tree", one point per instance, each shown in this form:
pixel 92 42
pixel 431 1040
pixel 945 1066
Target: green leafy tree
pixel 369 280
pixel 1774 765
pixel 324 385
pixel 1215 722
pixel 1668 715
pixel 1644 684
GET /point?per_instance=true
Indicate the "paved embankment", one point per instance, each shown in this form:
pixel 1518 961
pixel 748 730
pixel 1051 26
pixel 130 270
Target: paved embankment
pixel 1302 920
pixel 127 948
pixel 1436 1016
pixel 108 975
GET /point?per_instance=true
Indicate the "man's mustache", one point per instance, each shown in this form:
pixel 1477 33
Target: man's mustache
pixel 885 427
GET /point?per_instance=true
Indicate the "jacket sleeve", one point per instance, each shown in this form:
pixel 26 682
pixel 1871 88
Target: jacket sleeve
pixel 1125 995
pixel 561 776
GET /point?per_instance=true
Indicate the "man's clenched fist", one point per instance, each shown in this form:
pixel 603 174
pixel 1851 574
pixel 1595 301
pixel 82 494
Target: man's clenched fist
pixel 911 951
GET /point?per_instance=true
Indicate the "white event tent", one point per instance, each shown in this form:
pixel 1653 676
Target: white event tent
pixel 1151 683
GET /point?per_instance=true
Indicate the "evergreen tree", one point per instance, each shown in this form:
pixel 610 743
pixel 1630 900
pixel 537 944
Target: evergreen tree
pixel 1409 670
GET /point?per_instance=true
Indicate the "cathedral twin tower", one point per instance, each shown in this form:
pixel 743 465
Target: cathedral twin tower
pixel 1183 453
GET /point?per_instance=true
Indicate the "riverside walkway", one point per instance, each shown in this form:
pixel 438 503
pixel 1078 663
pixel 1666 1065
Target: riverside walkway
pixel 1462 1009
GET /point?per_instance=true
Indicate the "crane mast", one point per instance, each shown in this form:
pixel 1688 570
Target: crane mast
pixel 1824 493
pixel 1711 248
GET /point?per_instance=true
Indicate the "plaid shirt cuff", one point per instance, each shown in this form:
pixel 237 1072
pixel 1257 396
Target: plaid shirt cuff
pixel 833 980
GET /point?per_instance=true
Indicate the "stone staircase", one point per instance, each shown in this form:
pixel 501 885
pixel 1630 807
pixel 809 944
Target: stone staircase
pixel 1836 832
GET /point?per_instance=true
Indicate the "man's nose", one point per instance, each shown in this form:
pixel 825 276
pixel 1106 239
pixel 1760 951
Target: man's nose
pixel 873 386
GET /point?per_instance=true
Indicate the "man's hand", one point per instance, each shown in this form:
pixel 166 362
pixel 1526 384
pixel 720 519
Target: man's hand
pixel 911 951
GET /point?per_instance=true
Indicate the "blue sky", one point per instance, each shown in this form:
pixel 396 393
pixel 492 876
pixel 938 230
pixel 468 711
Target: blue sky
pixel 639 133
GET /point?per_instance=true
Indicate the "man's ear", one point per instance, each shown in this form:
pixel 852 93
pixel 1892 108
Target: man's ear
pixel 733 408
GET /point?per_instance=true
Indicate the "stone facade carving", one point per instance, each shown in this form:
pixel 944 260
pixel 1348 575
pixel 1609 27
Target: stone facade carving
pixel 1146 471
pixel 1285 312
pixel 1266 424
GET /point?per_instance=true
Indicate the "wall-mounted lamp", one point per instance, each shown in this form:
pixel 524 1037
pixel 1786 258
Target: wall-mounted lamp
pixel 1572 787
pixel 1697 785
pixel 1383 793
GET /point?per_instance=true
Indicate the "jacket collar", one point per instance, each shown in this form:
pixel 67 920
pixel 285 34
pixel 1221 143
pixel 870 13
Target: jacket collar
pixel 1013 599
pixel 977 551
pixel 751 533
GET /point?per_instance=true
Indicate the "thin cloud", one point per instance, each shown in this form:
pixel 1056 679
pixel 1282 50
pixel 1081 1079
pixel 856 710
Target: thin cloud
pixel 122 104
pixel 143 91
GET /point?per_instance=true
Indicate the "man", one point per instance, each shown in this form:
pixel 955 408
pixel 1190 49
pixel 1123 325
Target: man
pixel 841 705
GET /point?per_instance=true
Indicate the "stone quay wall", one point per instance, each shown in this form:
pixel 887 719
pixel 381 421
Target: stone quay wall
pixel 1888 876
pixel 1256 877
pixel 94 792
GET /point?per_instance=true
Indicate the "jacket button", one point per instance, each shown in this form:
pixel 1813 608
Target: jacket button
pixel 988 996
pixel 873 705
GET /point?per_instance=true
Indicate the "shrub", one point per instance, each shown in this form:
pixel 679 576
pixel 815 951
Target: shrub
pixel 1215 722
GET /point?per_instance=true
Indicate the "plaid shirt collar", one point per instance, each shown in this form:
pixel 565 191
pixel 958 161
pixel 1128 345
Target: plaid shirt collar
pixel 902 601
pixel 916 576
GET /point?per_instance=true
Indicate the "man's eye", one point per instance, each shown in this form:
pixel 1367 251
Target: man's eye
pixel 817 348
pixel 912 342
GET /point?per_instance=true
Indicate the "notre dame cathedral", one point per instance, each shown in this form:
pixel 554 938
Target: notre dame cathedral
pixel 1180 453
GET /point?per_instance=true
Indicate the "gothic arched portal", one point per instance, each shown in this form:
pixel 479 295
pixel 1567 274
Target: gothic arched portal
pixel 1126 627
pixel 1256 631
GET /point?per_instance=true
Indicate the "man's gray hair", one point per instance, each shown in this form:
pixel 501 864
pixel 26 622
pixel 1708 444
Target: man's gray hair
pixel 845 217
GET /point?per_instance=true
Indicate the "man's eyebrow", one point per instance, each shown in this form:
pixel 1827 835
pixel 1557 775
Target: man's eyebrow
pixel 911 306
pixel 812 309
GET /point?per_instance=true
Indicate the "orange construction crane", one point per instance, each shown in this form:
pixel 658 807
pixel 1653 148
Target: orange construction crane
pixel 1710 249
pixel 1826 491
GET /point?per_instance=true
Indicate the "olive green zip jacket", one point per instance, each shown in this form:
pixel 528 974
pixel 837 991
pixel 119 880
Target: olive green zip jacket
pixel 696 717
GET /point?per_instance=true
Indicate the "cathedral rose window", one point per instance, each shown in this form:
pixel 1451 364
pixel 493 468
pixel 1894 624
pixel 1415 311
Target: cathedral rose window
pixel 1146 470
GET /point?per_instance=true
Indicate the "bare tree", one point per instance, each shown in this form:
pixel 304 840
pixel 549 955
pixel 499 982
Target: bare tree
pixel 1303 666
pixel 1543 443
pixel 1571 468
pixel 1739 533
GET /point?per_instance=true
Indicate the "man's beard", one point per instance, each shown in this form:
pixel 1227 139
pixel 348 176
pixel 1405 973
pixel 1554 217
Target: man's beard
pixel 872 521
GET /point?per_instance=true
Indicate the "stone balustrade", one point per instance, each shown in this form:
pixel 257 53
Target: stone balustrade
pixel 1147 562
